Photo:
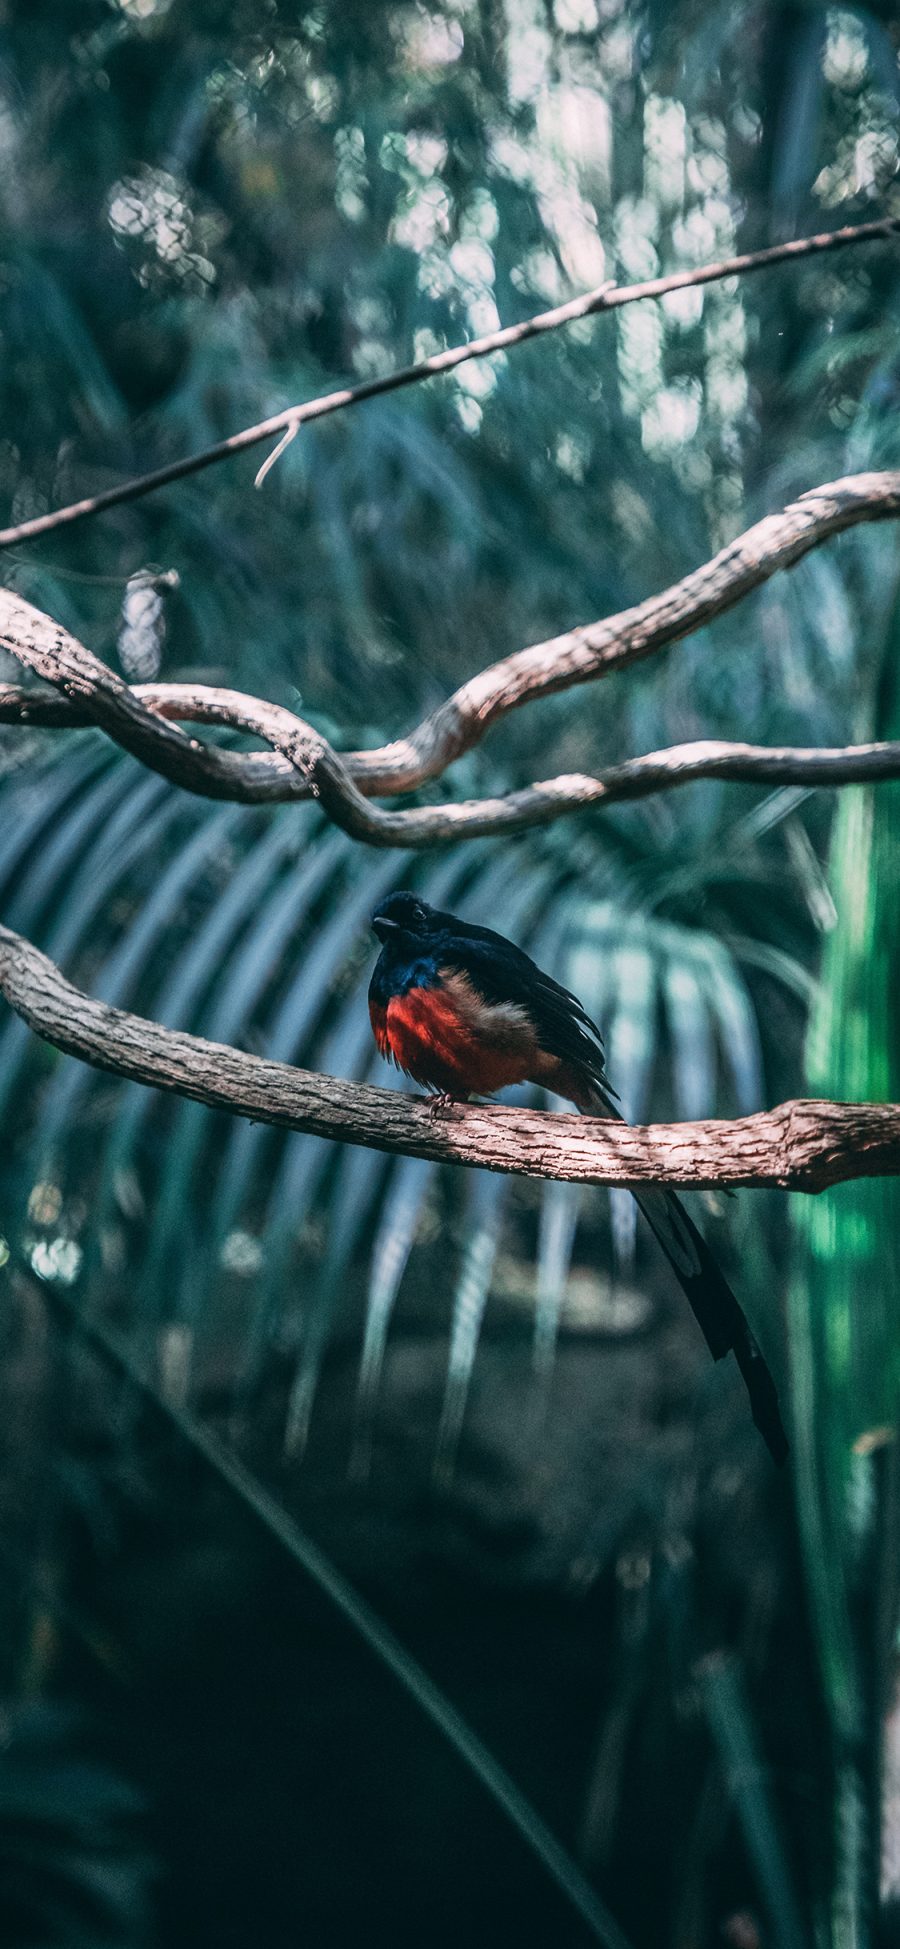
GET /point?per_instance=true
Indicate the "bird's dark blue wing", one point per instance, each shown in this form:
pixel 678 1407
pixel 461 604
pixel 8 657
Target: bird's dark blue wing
pixel 501 972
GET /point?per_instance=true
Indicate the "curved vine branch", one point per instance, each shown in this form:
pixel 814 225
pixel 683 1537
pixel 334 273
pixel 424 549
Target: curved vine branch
pixel 548 799
pixel 800 1146
pixel 606 297
pixel 301 763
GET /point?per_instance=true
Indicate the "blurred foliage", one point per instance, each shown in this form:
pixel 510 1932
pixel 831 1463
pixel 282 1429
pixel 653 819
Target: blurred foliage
pixel 73 1865
pixel 209 210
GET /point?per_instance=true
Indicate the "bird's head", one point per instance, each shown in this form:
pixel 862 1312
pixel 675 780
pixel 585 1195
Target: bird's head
pixel 402 918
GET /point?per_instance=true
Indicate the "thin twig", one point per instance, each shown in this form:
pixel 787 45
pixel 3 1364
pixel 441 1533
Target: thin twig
pixel 277 452
pixel 604 298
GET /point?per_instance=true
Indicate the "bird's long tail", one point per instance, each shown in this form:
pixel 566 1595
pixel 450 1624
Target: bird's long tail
pixel 717 1311
pixel 715 1308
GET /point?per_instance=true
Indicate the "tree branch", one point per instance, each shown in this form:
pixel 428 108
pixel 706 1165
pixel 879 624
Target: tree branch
pixel 800 1146
pixel 604 298
pixel 301 763
pixel 554 798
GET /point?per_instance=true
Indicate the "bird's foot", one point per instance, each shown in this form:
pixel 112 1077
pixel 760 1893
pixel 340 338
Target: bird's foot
pixel 441 1104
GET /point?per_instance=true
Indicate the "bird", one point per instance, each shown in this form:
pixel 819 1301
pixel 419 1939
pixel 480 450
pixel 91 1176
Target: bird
pixel 464 1012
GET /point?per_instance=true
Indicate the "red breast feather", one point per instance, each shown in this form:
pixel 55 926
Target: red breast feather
pixel 448 1038
pixel 378 1019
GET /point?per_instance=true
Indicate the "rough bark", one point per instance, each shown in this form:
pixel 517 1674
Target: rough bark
pixel 301 763
pixel 800 1146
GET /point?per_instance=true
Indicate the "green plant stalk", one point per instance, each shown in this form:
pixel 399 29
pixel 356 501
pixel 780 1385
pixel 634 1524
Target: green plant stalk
pixel 843 1339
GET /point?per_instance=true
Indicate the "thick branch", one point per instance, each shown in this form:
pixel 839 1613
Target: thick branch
pixel 534 805
pixel 800 1146
pixel 300 763
pixel 604 298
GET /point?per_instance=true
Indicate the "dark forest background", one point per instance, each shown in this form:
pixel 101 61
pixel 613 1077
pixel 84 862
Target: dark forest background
pixel 482 1399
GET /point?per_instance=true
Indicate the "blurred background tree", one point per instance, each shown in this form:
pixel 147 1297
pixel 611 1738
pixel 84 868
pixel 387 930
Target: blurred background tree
pixel 210 209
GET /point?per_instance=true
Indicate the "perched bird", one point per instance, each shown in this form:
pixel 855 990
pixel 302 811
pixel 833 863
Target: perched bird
pixel 464 1013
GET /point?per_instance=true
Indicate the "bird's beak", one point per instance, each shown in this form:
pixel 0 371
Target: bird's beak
pixel 384 928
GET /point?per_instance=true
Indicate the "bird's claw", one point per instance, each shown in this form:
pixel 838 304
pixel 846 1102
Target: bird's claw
pixel 443 1102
